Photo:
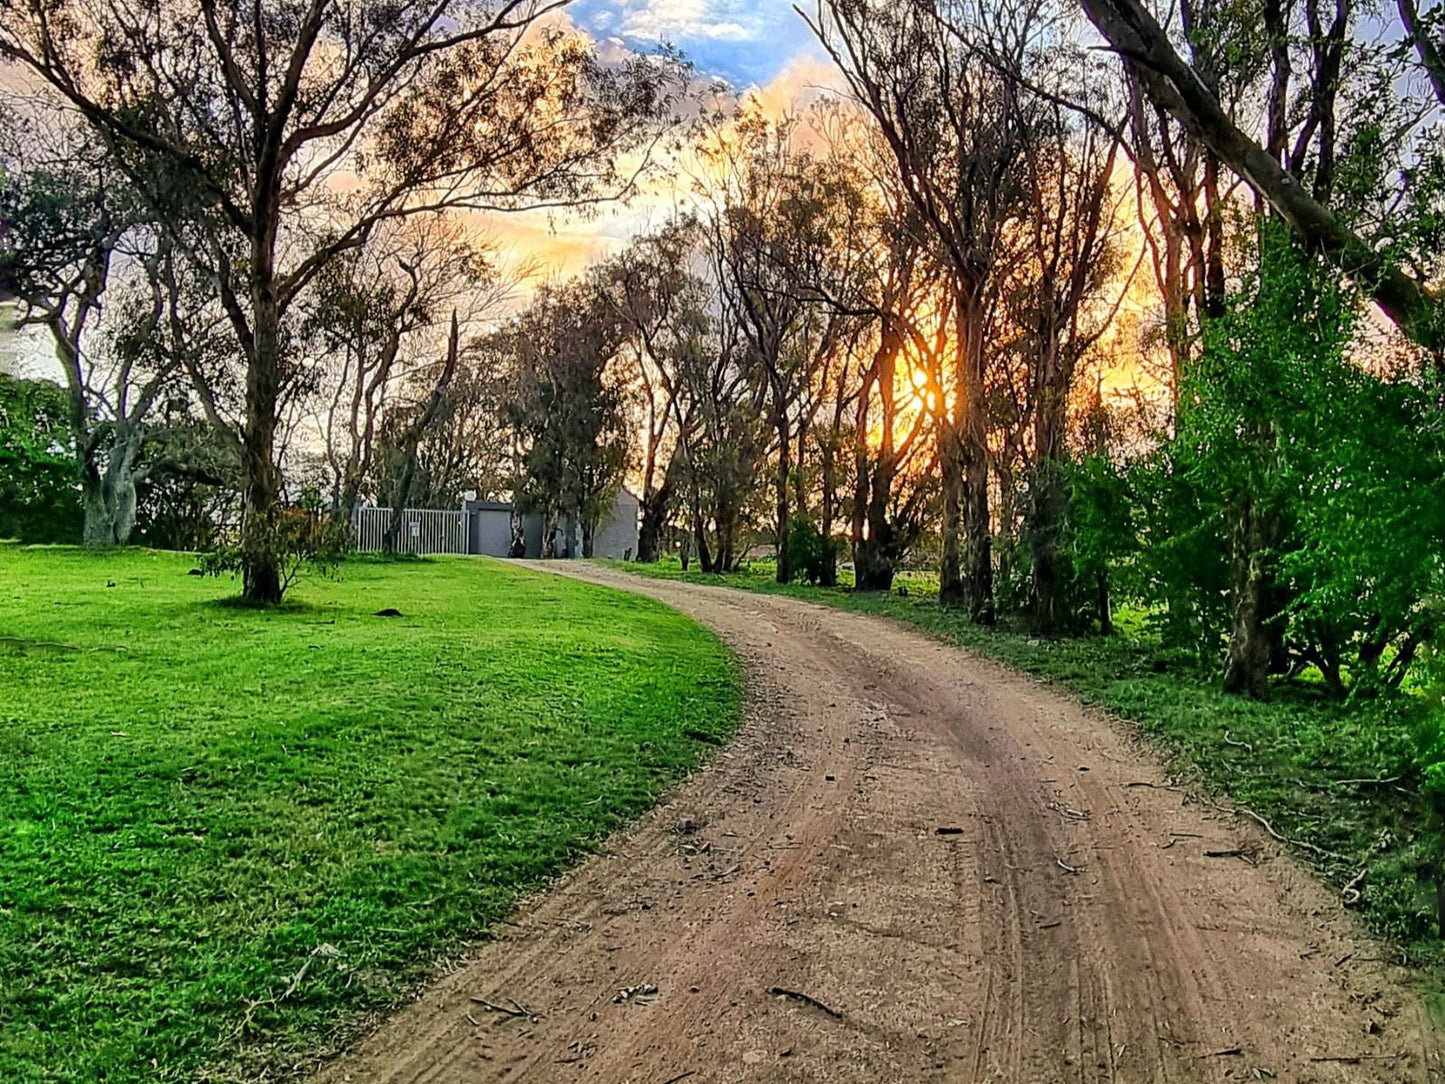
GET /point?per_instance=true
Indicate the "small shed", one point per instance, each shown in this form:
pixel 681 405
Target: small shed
pixel 490 530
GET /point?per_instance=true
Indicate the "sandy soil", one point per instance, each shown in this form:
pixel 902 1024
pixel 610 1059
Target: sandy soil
pixel 913 865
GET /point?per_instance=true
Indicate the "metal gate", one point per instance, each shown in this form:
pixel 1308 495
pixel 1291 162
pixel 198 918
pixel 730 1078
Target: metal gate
pixel 423 530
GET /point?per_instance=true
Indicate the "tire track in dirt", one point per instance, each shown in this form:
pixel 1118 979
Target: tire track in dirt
pixel 1054 934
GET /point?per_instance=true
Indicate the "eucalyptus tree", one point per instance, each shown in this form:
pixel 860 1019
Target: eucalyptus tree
pixel 567 408
pixel 374 323
pixel 270 138
pixel 654 290
pixel 941 81
pixel 84 264
pixel 1068 285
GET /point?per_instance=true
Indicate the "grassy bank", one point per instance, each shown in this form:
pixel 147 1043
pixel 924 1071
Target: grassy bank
pixel 225 834
pixel 1304 763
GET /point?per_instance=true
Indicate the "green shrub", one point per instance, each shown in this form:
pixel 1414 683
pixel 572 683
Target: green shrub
pixel 811 556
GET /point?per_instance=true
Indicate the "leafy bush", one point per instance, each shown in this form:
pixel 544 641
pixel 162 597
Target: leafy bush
pixel 304 538
pixel 39 490
pixel 811 556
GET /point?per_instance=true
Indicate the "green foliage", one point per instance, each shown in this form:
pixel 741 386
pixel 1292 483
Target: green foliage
pixel 39 493
pixel 569 417
pixel 198 800
pixel 1328 477
pixel 50 219
pixel 811 556
pixel 190 495
pixel 1101 530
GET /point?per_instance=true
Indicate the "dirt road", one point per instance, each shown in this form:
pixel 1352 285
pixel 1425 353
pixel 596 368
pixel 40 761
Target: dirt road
pixel 913 865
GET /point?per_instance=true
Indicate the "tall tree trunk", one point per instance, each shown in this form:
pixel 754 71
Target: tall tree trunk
pixel 978 537
pixel 781 511
pixel 1251 635
pixel 108 491
pixel 1047 500
pixel 875 550
pixel 950 567
pixel 1106 609
pixel 828 576
pixel 261 492
pixel 1046 514
pixel 652 521
pixel 973 449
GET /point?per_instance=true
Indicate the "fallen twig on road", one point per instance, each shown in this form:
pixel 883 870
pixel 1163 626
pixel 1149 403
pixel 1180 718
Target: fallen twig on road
pixel 518 1011
pixel 1233 852
pixel 783 991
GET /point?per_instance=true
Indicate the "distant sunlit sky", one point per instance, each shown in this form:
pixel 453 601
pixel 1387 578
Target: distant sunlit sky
pixel 745 42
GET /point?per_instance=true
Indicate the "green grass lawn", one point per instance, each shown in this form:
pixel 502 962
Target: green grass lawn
pixel 1296 760
pixel 226 834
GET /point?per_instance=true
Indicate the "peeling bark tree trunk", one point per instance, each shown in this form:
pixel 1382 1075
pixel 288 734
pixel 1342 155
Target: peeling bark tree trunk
pixel 108 494
pixel 1254 632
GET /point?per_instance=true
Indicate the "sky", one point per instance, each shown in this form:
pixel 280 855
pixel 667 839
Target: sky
pixel 758 47
pixel 745 42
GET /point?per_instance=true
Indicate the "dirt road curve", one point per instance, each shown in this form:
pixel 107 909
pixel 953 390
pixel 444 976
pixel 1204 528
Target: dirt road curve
pixel 957 874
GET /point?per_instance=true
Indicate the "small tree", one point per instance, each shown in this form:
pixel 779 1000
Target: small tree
pixel 567 408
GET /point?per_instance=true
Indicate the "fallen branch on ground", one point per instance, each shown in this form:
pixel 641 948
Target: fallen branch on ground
pixel 782 991
pixel 1351 894
pixel 1233 852
pixel 518 1011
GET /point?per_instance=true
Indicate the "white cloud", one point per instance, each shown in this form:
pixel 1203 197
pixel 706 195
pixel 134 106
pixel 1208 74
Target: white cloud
pixel 694 20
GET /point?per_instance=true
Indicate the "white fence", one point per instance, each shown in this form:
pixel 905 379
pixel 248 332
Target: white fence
pixel 423 530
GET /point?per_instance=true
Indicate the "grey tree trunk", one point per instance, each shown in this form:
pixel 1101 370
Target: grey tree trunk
pixel 108 493
pixel 261 492
pixel 1251 635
